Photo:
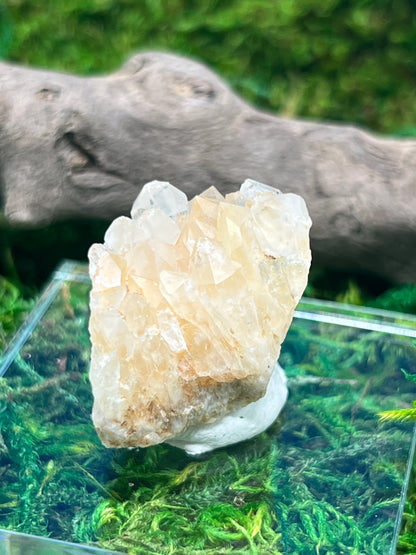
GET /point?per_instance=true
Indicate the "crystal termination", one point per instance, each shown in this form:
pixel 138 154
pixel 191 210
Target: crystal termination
pixel 189 306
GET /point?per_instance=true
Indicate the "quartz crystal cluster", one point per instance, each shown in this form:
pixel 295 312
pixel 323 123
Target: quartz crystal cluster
pixel 189 306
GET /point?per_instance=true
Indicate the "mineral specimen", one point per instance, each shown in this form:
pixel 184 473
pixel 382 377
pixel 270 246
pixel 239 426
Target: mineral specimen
pixel 189 306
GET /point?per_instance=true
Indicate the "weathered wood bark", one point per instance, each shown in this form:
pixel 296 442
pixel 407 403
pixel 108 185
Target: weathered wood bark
pixel 72 147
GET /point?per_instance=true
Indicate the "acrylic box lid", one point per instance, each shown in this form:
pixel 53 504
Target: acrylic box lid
pixel 328 476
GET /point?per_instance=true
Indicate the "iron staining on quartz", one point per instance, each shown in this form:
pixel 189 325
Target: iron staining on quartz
pixel 189 306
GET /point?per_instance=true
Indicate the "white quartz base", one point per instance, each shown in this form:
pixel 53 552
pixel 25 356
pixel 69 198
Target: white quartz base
pixel 239 425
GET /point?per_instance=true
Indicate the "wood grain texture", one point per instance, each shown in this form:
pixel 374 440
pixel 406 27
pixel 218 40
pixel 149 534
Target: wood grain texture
pixel 83 147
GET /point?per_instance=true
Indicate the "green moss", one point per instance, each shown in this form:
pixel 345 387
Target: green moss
pixel 6 30
pixel 13 307
pixel 303 58
pixel 326 476
pixel 401 298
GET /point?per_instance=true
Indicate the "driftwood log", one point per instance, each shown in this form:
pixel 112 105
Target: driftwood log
pixel 83 147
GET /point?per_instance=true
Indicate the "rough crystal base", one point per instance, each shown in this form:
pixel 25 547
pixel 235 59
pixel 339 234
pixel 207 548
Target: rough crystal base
pixel 240 424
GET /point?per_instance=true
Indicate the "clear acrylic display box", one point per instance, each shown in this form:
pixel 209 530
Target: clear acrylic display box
pixel 327 477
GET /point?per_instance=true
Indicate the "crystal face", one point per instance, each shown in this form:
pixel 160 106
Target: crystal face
pixel 189 306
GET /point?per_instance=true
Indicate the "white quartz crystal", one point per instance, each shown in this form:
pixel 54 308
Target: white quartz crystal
pixel 189 306
pixel 160 194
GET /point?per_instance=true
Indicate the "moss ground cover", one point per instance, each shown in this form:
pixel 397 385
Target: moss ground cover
pixel 338 60
pixel 326 476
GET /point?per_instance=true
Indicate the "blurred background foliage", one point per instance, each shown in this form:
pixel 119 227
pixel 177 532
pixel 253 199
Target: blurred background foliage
pixel 349 60
pixel 339 60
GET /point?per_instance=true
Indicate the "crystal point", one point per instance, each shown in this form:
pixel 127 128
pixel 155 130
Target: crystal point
pixel 189 306
pixel 162 195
